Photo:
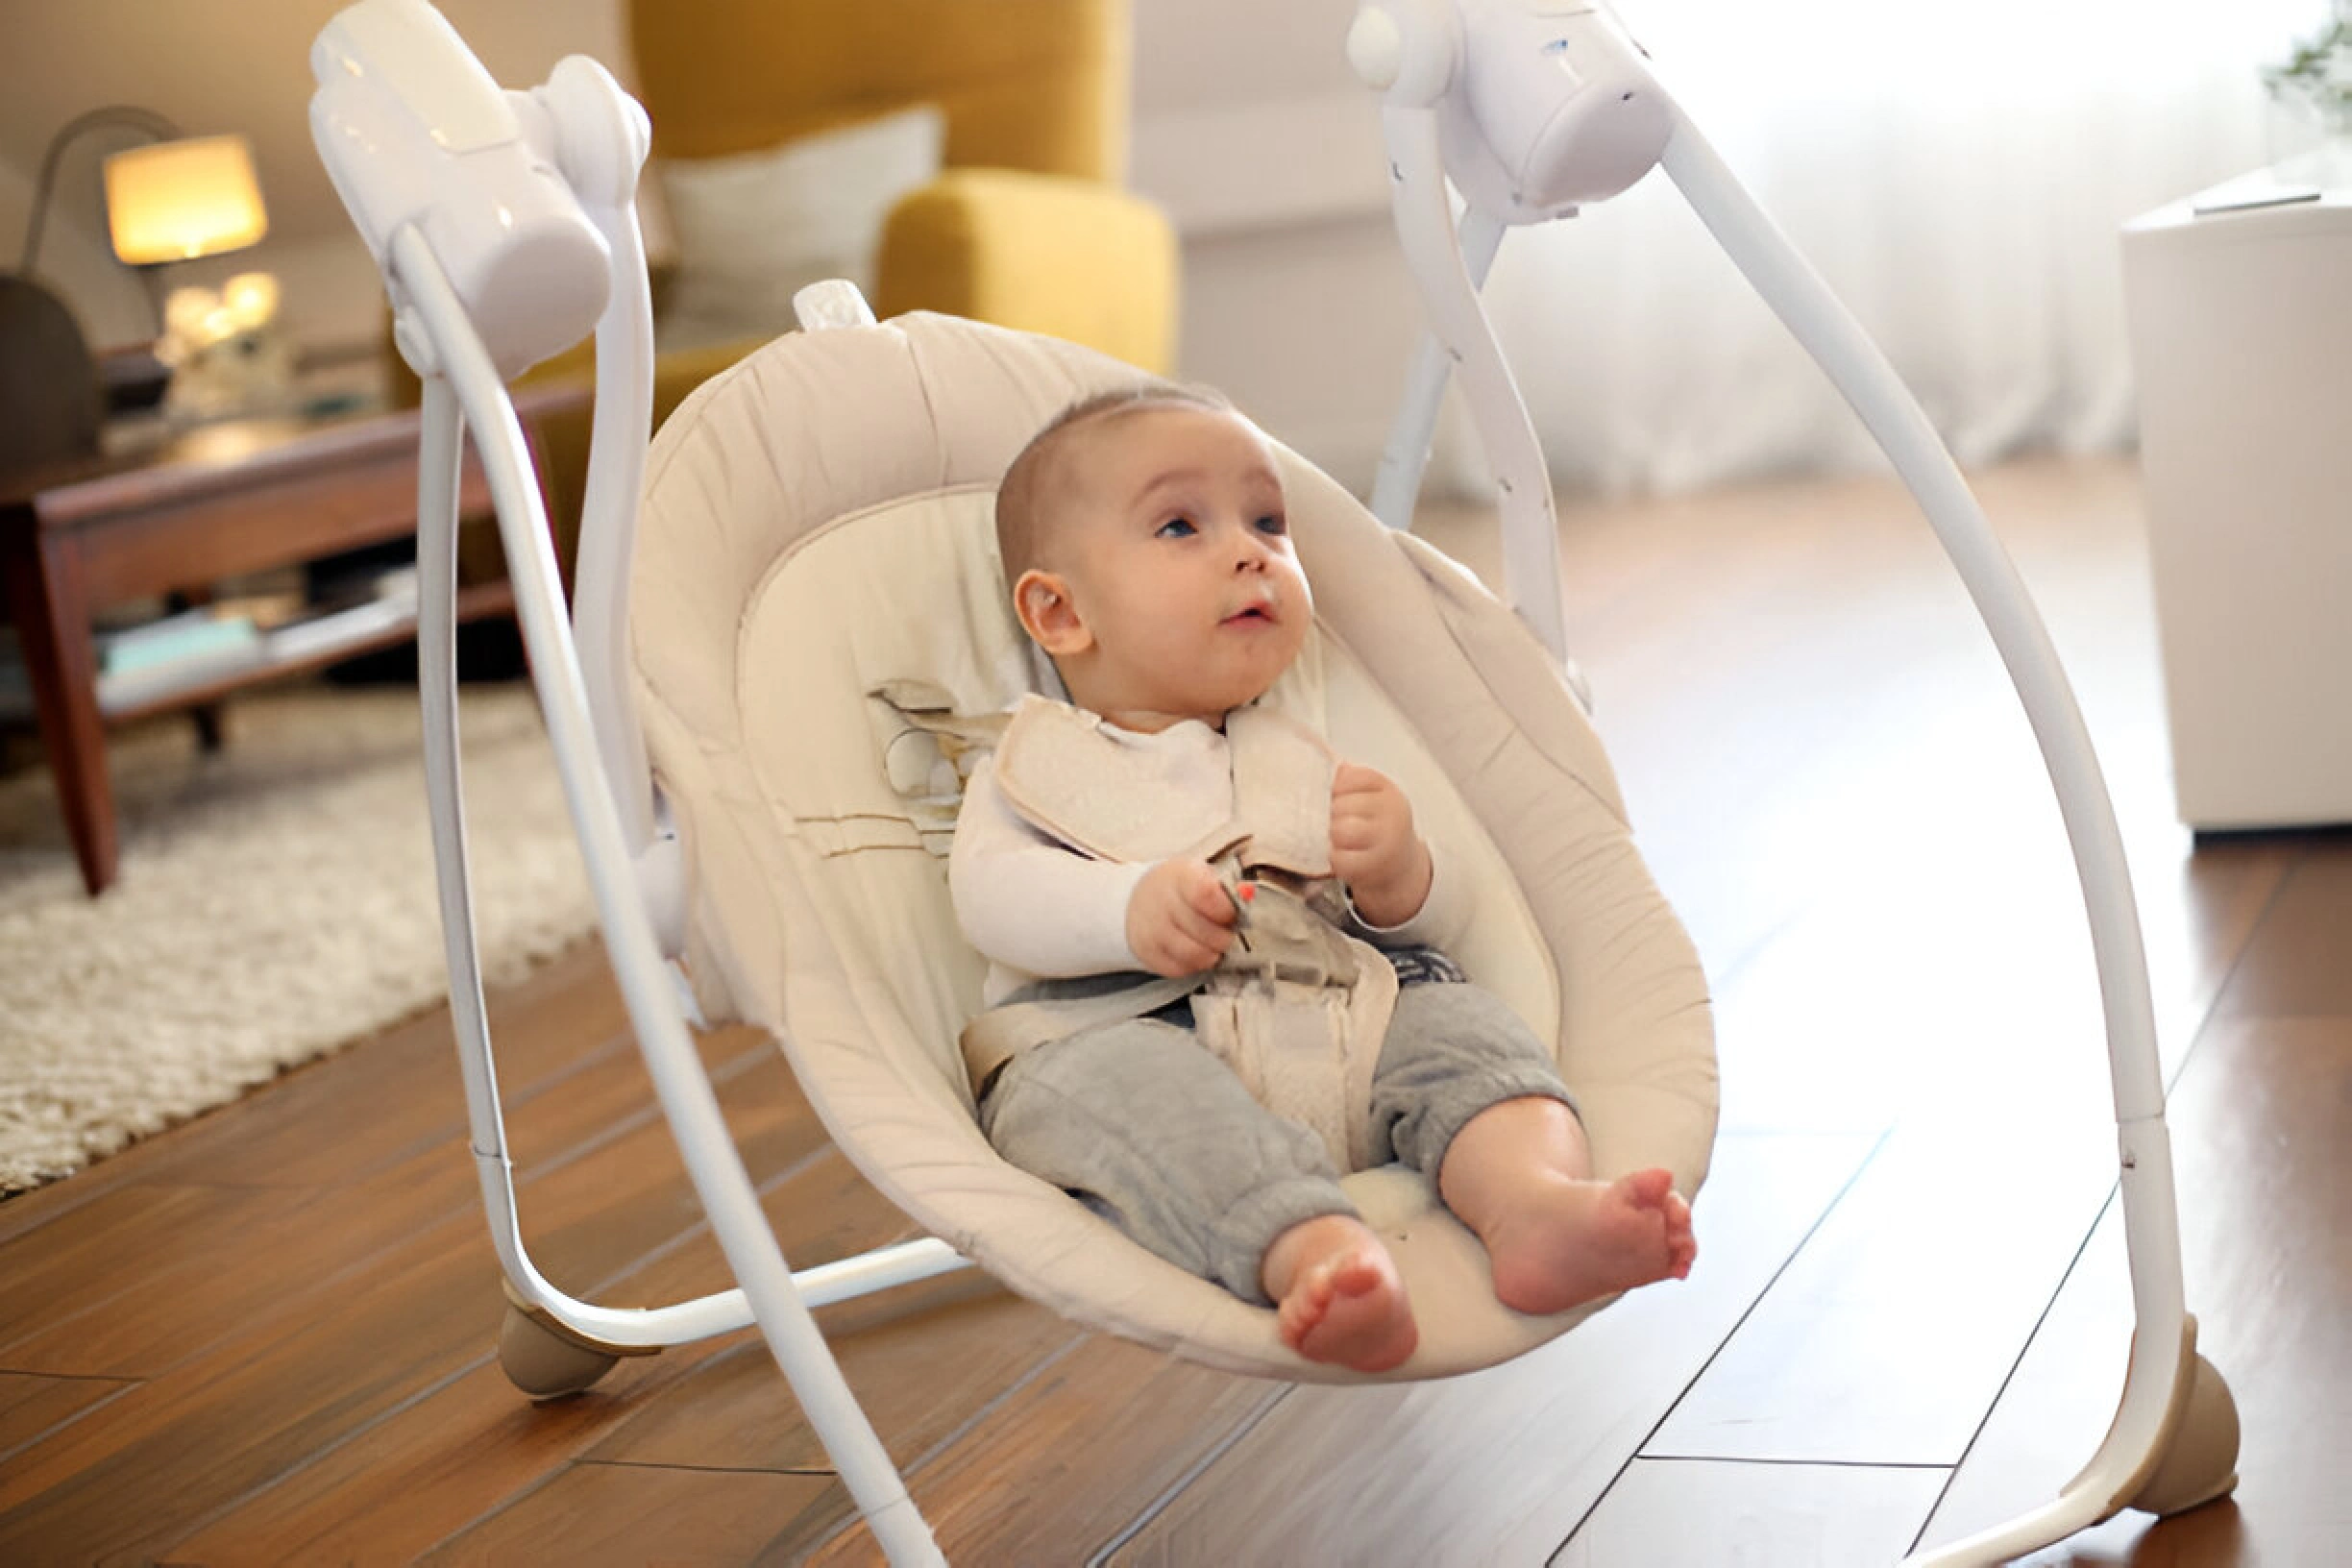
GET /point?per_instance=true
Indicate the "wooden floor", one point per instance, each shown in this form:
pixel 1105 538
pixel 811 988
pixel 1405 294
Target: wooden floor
pixel 266 1336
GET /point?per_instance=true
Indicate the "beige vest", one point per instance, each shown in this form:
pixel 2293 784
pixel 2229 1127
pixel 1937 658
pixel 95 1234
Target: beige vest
pixel 1296 1007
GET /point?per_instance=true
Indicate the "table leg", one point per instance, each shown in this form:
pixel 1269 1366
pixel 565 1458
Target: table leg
pixel 209 717
pixel 52 616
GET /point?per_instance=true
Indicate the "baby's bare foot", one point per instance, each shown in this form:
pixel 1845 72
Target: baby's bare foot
pixel 1338 1295
pixel 1563 1243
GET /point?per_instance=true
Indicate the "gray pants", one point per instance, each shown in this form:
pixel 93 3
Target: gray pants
pixel 1142 1124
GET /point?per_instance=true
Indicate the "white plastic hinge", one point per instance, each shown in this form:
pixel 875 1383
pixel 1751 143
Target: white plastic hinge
pixel 832 303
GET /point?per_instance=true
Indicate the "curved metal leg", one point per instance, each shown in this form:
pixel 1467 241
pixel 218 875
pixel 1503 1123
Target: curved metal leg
pixel 1433 251
pixel 687 1099
pixel 1396 488
pixel 594 1330
pixel 2151 1225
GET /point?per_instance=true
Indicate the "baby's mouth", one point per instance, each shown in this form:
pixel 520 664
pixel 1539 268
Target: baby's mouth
pixel 1254 615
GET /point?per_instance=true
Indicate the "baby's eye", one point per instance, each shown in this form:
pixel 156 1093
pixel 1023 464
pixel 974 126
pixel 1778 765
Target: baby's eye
pixel 1273 522
pixel 1175 528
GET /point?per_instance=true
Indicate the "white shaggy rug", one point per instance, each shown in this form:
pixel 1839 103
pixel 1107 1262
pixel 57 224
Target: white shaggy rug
pixel 276 901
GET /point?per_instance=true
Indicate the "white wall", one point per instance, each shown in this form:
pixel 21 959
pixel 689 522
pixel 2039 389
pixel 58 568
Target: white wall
pixel 1965 205
pixel 1254 134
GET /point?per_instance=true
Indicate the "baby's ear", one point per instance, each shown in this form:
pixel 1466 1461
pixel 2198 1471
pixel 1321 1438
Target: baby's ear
pixel 1048 615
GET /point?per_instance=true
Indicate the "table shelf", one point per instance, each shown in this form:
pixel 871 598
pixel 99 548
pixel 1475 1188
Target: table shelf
pixel 223 501
pixel 308 644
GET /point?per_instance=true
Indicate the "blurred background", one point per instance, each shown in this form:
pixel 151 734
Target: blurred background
pixel 1959 174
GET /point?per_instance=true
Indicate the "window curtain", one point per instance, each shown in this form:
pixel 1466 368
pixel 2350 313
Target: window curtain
pixel 1959 174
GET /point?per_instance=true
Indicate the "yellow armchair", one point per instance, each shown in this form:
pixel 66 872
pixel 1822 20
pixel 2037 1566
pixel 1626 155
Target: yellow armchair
pixel 1026 227
pixel 1045 253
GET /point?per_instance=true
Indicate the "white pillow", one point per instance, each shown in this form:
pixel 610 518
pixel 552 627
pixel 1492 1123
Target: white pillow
pixel 753 229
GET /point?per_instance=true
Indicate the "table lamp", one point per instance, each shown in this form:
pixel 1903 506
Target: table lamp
pixel 173 201
pixel 178 200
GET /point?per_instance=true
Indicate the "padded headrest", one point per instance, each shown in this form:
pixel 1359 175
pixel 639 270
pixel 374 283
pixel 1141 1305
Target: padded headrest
pixel 816 426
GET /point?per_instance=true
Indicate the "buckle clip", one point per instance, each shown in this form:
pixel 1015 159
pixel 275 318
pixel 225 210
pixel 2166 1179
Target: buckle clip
pixel 1279 939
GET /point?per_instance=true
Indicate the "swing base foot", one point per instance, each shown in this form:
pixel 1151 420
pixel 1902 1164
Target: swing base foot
pixel 2194 1458
pixel 547 1361
pixel 2199 1458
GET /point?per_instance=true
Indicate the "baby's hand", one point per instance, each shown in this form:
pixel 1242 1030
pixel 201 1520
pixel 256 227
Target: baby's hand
pixel 1178 918
pixel 1374 848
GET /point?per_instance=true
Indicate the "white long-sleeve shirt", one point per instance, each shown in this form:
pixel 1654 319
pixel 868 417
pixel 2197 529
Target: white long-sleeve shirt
pixel 1038 908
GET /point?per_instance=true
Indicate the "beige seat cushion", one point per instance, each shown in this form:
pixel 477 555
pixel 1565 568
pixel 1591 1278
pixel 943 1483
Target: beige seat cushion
pixel 817 564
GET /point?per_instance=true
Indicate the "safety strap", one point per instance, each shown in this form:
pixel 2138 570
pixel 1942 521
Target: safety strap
pixel 1296 1008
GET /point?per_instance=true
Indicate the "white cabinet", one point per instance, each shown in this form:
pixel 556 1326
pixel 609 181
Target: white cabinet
pixel 2240 328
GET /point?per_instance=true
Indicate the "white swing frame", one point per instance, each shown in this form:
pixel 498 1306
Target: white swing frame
pixel 1413 50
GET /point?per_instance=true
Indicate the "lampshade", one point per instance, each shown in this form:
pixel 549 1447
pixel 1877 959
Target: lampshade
pixel 181 198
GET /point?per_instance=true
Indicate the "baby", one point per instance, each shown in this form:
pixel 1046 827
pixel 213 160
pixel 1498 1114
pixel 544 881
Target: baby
pixel 1143 534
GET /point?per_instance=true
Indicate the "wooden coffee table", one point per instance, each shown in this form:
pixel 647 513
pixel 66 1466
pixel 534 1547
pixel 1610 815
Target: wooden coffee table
pixel 182 513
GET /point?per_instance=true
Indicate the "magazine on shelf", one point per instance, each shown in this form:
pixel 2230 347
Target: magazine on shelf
pixel 199 633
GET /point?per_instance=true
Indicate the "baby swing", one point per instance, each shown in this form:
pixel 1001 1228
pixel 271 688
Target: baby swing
pixel 790 630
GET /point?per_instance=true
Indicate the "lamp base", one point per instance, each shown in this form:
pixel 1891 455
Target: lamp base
pixel 133 379
pixel 50 404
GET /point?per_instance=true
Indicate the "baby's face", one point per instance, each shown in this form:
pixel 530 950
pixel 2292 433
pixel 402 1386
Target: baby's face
pixel 1180 566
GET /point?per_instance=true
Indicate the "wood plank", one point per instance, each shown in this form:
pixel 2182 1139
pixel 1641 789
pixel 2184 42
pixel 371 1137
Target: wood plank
pixel 458 1454
pixel 563 1016
pixel 32 1408
pixel 1822 1024
pixel 185 1441
pixel 135 1321
pixel 2268 1266
pixel 2296 963
pixel 1808 640
pixel 1888 999
pixel 2199 919
pixel 923 1361
pixel 114 1295
pixel 474 1445
pixel 1889 1335
pixel 49 1279
pixel 925 1366
pixel 1684 1513
pixel 817 1202
pixel 1068 1458
pixel 582 1238
pixel 1498 1466
pixel 2219 1536
pixel 623 1513
pixel 327 1362
pixel 1859 708
pixel 378 1102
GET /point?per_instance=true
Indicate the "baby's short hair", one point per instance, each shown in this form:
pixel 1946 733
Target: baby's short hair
pixel 1020 530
